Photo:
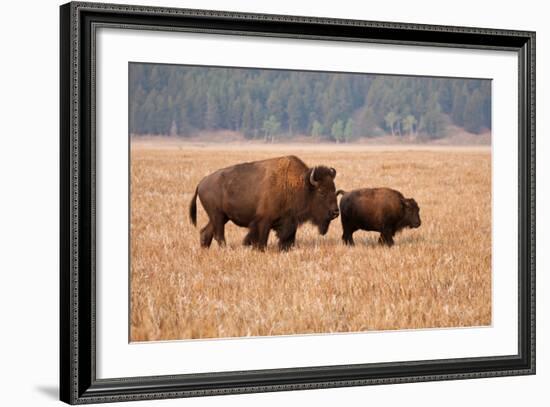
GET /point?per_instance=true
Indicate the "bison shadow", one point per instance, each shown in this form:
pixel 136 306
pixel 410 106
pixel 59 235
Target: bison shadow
pixel 399 240
pixel 365 239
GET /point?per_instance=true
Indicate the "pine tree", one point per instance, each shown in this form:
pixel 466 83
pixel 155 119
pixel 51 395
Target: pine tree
pixel 366 124
pixel 247 120
pixel 348 130
pixel 174 129
pixel 459 103
pixel 337 131
pixel 294 114
pixel 473 113
pixel 275 105
pixel 212 117
pixel 446 97
pixel 391 118
pixel 409 123
pixel 433 124
pixel 317 129
pixel 270 128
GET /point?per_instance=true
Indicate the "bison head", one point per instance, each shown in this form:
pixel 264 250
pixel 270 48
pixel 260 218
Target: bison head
pixel 323 204
pixel 412 213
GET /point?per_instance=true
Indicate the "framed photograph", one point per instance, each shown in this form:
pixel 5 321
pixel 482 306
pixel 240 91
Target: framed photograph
pixel 255 203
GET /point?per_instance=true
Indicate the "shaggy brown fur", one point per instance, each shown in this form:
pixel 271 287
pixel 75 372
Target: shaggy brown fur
pixel 274 194
pixel 382 210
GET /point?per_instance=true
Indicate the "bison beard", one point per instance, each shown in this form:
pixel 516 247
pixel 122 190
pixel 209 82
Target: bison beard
pixel 323 227
pixel 276 194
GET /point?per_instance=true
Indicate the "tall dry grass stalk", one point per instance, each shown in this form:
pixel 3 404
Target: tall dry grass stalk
pixel 436 276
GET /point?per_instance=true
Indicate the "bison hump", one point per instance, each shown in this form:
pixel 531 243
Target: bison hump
pixel 288 173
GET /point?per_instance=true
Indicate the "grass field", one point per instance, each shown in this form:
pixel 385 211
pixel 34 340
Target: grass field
pixel 436 276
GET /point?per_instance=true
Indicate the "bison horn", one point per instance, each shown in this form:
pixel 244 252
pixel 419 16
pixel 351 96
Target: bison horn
pixel 312 178
pixel 333 172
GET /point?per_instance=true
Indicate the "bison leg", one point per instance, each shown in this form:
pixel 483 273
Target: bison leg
pixel 219 231
pixel 207 233
pixel 252 236
pixel 347 236
pixel 348 229
pixel 288 242
pixel 287 235
pixel 258 234
pixel 386 237
pixel 263 234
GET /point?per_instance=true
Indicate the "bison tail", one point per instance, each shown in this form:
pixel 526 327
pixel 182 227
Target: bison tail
pixel 340 192
pixel 193 208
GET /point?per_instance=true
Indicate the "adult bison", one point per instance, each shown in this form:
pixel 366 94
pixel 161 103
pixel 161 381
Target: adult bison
pixel 382 210
pixel 278 193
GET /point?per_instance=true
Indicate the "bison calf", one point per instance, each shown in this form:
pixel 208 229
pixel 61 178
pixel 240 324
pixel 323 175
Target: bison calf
pixel 381 210
pixel 275 194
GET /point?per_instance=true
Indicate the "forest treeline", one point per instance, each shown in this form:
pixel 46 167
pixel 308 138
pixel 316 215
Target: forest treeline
pixel 265 103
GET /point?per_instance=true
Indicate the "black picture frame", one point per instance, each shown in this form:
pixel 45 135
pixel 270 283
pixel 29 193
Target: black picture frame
pixel 78 382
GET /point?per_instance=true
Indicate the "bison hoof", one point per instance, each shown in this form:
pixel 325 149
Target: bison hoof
pixel 284 247
pixel 348 241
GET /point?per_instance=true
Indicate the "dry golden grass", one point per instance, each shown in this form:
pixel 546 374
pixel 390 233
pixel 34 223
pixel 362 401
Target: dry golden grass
pixel 436 276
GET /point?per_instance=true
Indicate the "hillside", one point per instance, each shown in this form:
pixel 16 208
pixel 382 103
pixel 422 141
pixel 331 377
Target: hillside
pixel 268 104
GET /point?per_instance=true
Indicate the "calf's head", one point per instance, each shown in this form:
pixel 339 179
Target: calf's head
pixel 323 204
pixel 412 213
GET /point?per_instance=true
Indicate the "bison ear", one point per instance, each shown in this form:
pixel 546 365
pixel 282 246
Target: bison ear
pixel 333 172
